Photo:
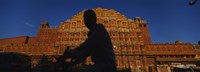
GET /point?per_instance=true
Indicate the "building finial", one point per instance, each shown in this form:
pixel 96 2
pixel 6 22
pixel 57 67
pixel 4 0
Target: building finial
pixel 44 24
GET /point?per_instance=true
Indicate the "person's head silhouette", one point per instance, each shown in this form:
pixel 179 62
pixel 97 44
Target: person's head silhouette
pixel 89 18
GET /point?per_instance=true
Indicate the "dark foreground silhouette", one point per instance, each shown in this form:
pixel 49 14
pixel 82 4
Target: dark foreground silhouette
pixel 14 62
pixel 98 45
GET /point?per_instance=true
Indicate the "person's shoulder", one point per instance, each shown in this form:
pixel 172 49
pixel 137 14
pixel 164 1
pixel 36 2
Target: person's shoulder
pixel 101 28
pixel 99 25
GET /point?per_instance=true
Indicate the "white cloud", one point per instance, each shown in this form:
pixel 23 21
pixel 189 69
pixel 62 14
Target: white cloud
pixel 29 25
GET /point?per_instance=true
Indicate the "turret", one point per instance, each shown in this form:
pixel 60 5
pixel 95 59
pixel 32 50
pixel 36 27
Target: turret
pixel 44 24
pixel 144 30
pixel 178 42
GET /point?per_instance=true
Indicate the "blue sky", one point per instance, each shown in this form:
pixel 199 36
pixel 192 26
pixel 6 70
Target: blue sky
pixel 169 20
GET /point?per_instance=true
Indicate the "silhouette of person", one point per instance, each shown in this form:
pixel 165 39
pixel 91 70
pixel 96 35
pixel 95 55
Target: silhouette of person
pixel 98 45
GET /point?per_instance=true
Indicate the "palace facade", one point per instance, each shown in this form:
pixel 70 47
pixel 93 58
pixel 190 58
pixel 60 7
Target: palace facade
pixel 130 37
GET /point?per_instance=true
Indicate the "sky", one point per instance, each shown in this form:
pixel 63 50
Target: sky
pixel 168 20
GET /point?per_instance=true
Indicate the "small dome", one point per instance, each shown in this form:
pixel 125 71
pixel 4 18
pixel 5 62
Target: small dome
pixel 44 24
pixel 178 42
pixel 138 18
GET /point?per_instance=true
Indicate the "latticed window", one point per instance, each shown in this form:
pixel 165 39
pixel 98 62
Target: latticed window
pixel 84 34
pixel 105 21
pixel 144 25
pixel 113 34
pixel 71 39
pixel 73 22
